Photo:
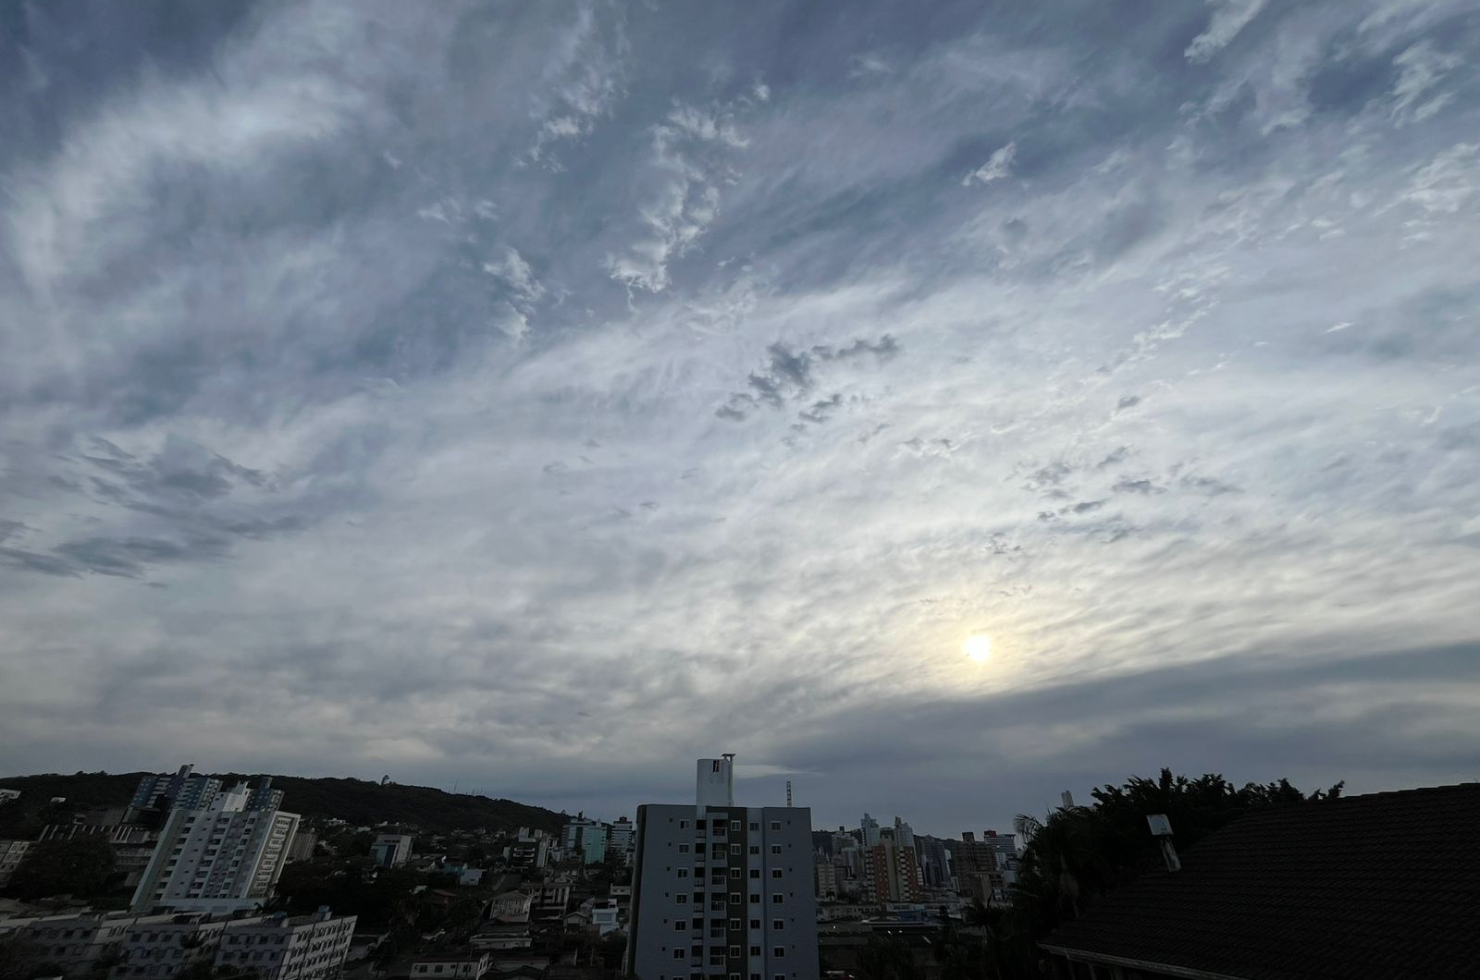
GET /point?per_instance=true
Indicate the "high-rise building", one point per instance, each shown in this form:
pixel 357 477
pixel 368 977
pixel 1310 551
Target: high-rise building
pixel 904 834
pixel 586 839
pixel 893 874
pixel 622 838
pixel 222 857
pixel 185 789
pixel 935 861
pixel 722 891
pixel 870 828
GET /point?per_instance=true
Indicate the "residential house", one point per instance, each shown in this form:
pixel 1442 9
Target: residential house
pixel 509 907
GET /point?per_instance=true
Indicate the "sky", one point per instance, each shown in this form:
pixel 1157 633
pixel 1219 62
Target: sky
pixel 534 398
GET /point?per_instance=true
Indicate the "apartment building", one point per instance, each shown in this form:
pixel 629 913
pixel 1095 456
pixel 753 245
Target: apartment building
pixel 722 891
pixel 225 857
pixel 277 947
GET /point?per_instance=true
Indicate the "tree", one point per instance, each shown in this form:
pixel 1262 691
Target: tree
pixel 1076 854
pixel 18 958
pixel 80 866
pixel 887 957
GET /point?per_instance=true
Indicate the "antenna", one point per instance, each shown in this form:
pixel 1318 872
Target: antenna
pixel 788 792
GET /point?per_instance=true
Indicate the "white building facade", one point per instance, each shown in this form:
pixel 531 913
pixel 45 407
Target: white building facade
pixel 223 858
pixel 722 891
pixel 306 947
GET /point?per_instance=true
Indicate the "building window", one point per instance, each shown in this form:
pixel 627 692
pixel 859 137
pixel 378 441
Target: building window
pixel 735 951
pixel 775 824
pixel 683 872
pixel 678 953
pixel 755 900
pixel 755 924
pixel 735 849
pixel 755 849
pixel 735 826
pixel 775 872
pixel 735 924
pixel 716 958
pixel 735 897
pixel 683 848
pixel 697 952
pixel 681 899
pixel 683 825
pixel 680 925
pixel 755 951
pixel 777 898
pixel 734 872
pixel 778 951
pixel 778 923
pixel 755 872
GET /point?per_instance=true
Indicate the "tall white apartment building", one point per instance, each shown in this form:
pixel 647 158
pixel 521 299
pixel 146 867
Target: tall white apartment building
pixel 722 891
pixel 224 857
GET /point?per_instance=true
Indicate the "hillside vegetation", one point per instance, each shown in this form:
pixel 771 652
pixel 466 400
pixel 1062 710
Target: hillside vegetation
pixel 355 800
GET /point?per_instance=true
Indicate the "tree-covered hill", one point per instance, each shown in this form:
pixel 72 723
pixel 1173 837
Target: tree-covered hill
pixel 355 800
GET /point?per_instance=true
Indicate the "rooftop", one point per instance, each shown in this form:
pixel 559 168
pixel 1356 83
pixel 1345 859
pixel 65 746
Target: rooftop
pixel 1378 887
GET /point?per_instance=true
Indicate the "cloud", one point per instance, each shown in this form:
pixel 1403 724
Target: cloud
pixel 789 375
pixel 1229 18
pixel 998 166
pixel 686 173
pixel 396 353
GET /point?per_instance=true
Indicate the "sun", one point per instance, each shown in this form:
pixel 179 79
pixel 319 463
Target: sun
pixel 978 648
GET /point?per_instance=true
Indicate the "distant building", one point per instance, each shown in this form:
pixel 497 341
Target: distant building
pixel 870 828
pixel 548 899
pixel 826 879
pixel 605 914
pixel 391 850
pixel 451 966
pixel 904 834
pixel 502 936
pixel 622 838
pixel 185 789
pixel 935 862
pixel 12 853
pixel 303 846
pixel 224 857
pixel 276 947
pixel 586 839
pixel 528 852
pixel 509 907
pixel 892 873
pixel 722 890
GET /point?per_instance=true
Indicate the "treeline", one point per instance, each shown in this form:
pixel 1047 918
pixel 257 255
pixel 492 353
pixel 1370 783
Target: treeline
pixel 355 800
pixel 1074 855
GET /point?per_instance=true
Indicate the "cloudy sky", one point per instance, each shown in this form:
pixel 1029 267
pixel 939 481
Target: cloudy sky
pixel 539 396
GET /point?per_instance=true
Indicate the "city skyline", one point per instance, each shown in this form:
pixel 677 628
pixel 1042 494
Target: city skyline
pixel 938 409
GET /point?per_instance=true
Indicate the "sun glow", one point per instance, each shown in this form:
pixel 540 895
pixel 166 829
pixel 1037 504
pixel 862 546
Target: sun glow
pixel 978 648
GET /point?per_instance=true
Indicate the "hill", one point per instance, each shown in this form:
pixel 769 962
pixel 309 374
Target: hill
pixel 355 800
